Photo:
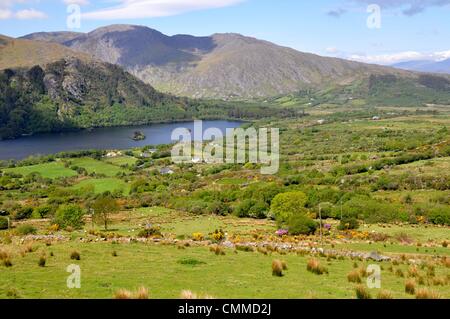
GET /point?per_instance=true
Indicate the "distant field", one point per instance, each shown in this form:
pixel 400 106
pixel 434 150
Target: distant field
pixel 121 160
pixel 102 185
pixel 97 167
pixel 47 170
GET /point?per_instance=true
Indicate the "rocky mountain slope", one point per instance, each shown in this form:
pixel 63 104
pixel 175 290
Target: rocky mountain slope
pixel 218 66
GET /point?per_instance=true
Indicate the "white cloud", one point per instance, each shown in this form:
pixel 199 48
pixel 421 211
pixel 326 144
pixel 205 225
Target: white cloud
pixel 30 14
pixel 7 10
pixel 135 9
pixel 5 14
pixel 388 59
pixel 79 2
pixel 332 50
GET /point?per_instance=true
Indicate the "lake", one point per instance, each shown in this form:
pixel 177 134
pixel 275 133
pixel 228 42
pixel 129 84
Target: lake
pixel 101 138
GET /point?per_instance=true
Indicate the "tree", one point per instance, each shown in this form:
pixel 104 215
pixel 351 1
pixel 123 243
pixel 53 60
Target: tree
pixel 285 205
pixel 103 207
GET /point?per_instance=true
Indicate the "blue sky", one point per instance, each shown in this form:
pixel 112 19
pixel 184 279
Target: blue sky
pixel 409 29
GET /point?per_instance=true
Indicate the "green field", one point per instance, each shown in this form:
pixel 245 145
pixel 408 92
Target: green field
pixel 97 167
pixel 47 170
pixel 102 185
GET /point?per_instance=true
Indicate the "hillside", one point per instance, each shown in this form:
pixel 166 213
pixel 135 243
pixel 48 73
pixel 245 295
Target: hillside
pixel 218 66
pixel 16 53
pixel 72 93
pixel 425 66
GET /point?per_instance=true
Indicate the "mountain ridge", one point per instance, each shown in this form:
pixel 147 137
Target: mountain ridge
pixel 220 66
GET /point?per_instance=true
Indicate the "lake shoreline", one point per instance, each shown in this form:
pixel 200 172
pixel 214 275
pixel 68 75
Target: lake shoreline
pixel 102 138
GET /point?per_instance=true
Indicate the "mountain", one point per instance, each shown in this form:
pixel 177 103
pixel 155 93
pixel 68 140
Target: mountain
pixel 425 66
pixel 57 37
pixel 218 66
pixel 16 53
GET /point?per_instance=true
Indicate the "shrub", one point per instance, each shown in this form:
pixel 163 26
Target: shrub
pixel 42 261
pixel 287 204
pixel 197 236
pixel 23 213
pixel 427 294
pixel 26 230
pixel 251 208
pixel 410 287
pixel 75 255
pixel 69 215
pixel 141 293
pixel 277 268
pixel 384 294
pixel 218 235
pixel 150 231
pixel 353 276
pixel 217 250
pixel 399 273
pixel 3 223
pixel 7 262
pixel 122 294
pixel 300 224
pixel 315 267
pixel 348 223
pixel 362 292
pixel 247 249
pixel 187 294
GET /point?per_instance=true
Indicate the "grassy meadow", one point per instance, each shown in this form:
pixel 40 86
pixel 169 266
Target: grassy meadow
pixel 381 186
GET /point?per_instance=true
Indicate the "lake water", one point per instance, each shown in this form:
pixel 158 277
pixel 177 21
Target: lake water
pixel 102 138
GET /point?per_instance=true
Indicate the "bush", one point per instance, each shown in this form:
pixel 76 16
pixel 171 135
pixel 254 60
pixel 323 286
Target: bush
pixel 42 211
pixel 42 261
pixel 277 268
pixel 26 230
pixel 300 224
pixel 439 215
pixel 285 205
pixel 150 231
pixel 75 255
pixel 315 267
pixel 251 208
pixel 197 236
pixel 348 223
pixel 410 287
pixel 362 292
pixel 69 216
pixel 353 276
pixel 23 213
pixel 3 223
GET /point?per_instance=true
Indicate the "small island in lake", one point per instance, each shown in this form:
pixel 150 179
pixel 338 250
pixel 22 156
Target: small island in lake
pixel 138 136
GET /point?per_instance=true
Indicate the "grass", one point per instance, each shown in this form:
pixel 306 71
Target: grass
pixel 97 167
pixel 101 185
pixel 242 275
pixel 121 160
pixel 47 170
